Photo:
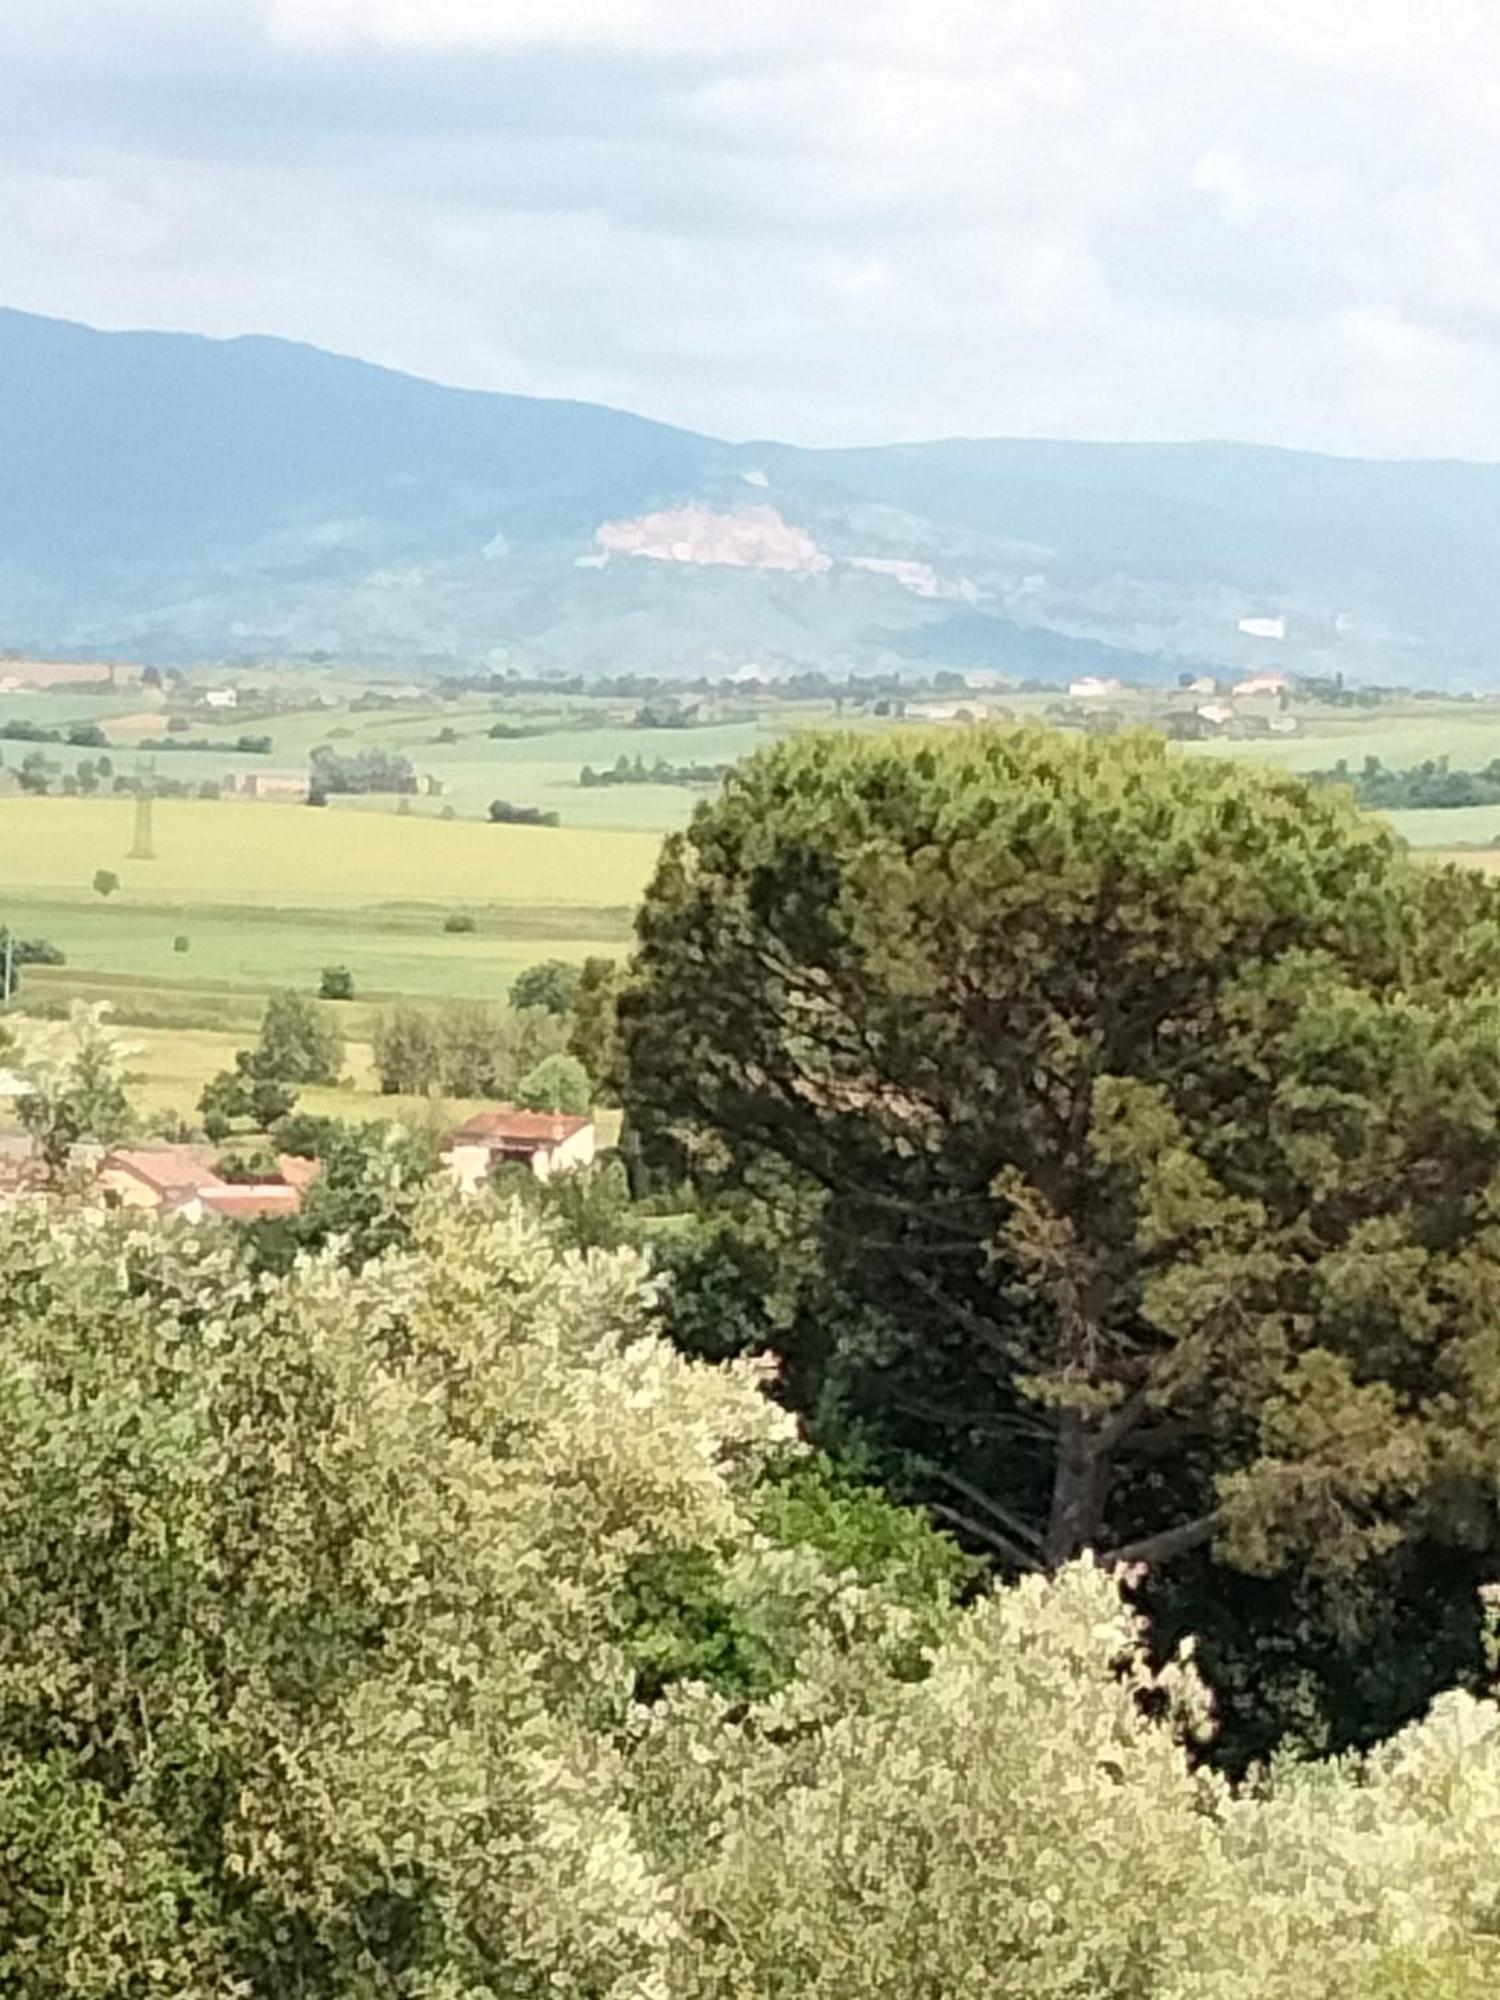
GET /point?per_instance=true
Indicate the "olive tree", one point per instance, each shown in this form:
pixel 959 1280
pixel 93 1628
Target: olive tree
pixel 343 1652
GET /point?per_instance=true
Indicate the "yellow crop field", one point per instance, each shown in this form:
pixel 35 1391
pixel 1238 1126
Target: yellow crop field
pixel 287 857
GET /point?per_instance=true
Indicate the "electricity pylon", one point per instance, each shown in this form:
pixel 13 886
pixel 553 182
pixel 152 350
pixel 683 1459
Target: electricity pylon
pixel 143 847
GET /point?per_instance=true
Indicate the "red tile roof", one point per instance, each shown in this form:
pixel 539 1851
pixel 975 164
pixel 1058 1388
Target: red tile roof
pixel 518 1131
pixel 247 1203
pixel 166 1169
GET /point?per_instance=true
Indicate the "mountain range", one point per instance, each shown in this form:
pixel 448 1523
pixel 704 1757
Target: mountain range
pixel 171 498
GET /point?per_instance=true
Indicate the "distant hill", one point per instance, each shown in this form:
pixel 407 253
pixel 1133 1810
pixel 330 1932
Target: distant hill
pixel 169 497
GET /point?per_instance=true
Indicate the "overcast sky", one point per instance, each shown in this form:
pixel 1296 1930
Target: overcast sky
pixel 826 220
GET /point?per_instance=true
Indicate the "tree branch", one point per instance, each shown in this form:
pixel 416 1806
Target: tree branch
pixel 1009 1521
pixel 1002 1544
pixel 1169 1543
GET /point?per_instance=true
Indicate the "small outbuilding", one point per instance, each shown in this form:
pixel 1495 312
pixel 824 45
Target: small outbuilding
pixel 547 1142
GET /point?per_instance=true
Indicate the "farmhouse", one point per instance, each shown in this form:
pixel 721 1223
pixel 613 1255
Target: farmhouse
pixel 288 786
pixel 1091 688
pixel 155 1176
pixel 1261 685
pixel 547 1142
pixel 184 1180
pixel 222 698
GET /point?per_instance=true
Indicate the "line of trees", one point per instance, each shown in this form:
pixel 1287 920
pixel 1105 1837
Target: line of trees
pixel 504 813
pixel 636 771
pixel 1428 785
pixel 464 1049
pixel 353 771
pixel 80 735
pixel 253 745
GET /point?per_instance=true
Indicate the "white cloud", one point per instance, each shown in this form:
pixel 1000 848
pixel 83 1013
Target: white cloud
pixel 1273 218
pixel 663 26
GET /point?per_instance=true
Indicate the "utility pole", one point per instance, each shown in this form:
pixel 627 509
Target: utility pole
pixel 143 847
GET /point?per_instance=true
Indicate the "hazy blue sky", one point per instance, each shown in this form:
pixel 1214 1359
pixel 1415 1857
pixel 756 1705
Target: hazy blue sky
pixel 820 219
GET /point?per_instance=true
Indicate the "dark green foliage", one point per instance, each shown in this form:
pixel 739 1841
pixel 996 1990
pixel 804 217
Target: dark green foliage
pixel 298 1041
pixel 106 881
pixel 465 1050
pixel 30 951
pixel 586 1209
pixel 334 771
pixel 636 771
pixel 1146 1110
pixel 550 985
pixel 245 1094
pixel 304 1135
pixel 459 922
pixel 247 1164
pixel 503 813
pixel 687 1622
pixel 591 1031
pixel 336 983
pixel 298 1045
pixel 244 746
pixel 364 1196
pixel 1424 787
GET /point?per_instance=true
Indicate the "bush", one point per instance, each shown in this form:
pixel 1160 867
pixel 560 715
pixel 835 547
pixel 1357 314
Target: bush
pixel 459 921
pixel 298 1041
pixel 106 881
pixel 181 944
pixel 330 1604
pixel 337 983
pixel 550 985
pixel 559 1083
pixel 503 813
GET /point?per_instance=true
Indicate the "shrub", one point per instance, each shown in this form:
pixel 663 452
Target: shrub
pixel 106 881
pixel 337 983
pixel 550 985
pixel 503 813
pixel 459 921
pixel 329 1604
pixel 558 1083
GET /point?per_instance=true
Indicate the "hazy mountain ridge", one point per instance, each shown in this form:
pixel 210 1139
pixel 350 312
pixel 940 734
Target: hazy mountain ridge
pixel 170 497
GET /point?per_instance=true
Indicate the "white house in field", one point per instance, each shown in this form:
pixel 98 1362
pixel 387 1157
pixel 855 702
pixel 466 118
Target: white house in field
pixel 1091 688
pixel 547 1142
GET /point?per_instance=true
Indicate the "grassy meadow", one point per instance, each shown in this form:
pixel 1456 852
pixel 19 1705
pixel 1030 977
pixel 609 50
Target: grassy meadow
pixel 242 897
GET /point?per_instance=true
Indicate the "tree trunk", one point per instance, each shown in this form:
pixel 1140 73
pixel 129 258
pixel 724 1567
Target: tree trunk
pixel 1075 1518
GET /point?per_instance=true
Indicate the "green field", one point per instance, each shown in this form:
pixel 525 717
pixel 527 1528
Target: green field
pixel 243 897
pixel 268 895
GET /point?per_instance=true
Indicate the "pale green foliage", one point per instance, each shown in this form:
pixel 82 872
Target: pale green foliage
pixel 76 1069
pixel 558 1083
pixel 315 1681
pixel 313 1589
pixel 1013 1826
